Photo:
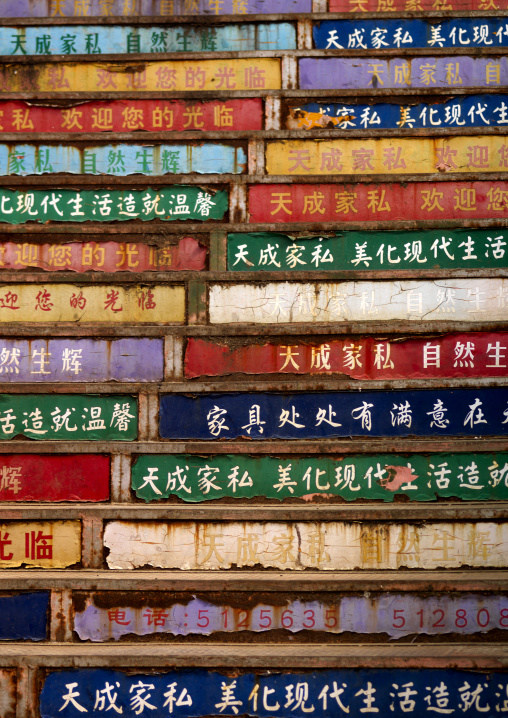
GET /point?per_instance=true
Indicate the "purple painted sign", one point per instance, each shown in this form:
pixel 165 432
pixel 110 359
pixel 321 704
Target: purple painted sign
pixel 343 73
pixel 81 360
pixel 395 614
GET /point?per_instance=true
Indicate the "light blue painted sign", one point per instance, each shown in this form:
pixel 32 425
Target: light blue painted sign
pixel 343 73
pixel 77 360
pixel 122 160
pixel 120 40
pixel 377 34
pixel 467 111
pixel 323 694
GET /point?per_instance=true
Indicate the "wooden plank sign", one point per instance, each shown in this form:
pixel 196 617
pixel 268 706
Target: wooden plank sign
pixel 122 159
pixel 79 360
pixel 395 155
pixel 319 415
pixel 344 73
pixel 470 477
pixel 328 546
pixel 176 75
pixel 117 304
pixel 455 248
pixel 130 115
pixel 194 693
pixel 57 477
pixel 65 205
pixel 472 354
pixel 104 256
pixel 49 544
pixel 463 300
pixel 68 417
pixel 125 39
pixel 381 202
pixel 397 615
pixel 24 617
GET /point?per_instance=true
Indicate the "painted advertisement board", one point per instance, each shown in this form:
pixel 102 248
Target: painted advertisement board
pixel 121 160
pixel 463 300
pixel 319 415
pixel 327 546
pixel 132 115
pixel 65 205
pixel 68 417
pixel 194 693
pixel 395 155
pixel 454 248
pixel 55 477
pixel 406 33
pixel 143 8
pixel 356 6
pixel 24 617
pixel 117 304
pixel 380 202
pixel 124 39
pixel 43 544
pixel 460 111
pixel 178 75
pixel 81 360
pixel 467 354
pixel 359 476
pixel 364 73
pixel 188 253
pixel 397 615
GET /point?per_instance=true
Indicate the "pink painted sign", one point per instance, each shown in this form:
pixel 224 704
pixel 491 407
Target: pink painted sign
pixel 103 256
pixel 452 355
pixel 377 202
pixel 133 115
pixel 395 614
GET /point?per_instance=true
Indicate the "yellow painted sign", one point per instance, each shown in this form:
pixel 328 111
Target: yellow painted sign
pixel 110 304
pixel 47 544
pixel 177 75
pixel 388 156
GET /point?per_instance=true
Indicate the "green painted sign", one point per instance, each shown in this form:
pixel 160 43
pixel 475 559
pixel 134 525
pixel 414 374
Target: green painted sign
pixel 64 205
pixel 421 478
pixel 426 249
pixel 68 417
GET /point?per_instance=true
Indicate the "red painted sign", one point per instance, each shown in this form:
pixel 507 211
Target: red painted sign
pixel 103 256
pixel 453 355
pixel 131 115
pixel 32 477
pixel 377 202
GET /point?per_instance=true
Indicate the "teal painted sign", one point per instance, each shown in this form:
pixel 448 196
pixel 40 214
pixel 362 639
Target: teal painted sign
pixel 68 417
pixel 65 205
pixel 425 249
pixel 122 159
pixel 420 478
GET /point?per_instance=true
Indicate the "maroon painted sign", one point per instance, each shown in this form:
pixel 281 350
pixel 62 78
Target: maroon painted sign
pixel 32 477
pixel 377 202
pixel 103 256
pixel 131 115
pixel 453 355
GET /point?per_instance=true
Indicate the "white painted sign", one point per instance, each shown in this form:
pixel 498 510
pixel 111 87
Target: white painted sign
pixel 471 300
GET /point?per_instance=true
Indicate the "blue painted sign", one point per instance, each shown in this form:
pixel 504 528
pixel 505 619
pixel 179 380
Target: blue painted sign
pixel 378 34
pixel 324 694
pixel 466 111
pixel 120 40
pixel 78 360
pixel 24 617
pixel 315 415
pixel 122 159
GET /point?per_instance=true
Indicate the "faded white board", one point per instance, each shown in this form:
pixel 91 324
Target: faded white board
pixel 471 300
pixel 329 546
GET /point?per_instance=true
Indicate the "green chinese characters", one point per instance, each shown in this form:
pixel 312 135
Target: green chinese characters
pixel 420 478
pixel 68 417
